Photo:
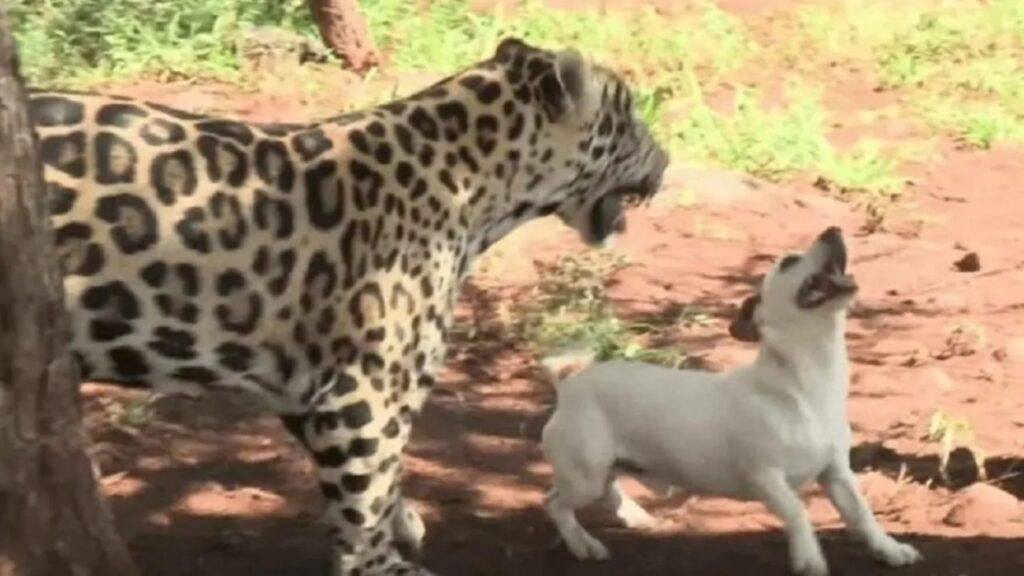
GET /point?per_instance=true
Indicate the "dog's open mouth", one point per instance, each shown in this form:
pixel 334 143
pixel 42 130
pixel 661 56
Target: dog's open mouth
pixel 831 281
pixel 825 286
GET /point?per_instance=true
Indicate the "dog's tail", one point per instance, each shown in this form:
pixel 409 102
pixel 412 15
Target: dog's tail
pixel 565 363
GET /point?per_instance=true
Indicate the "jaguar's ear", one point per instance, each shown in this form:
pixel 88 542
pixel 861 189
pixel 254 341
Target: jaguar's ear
pixel 508 47
pixel 573 74
pixel 569 90
pixel 744 326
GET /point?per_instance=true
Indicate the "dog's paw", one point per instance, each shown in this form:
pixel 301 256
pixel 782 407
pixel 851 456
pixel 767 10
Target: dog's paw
pixel 896 553
pixel 808 560
pixel 585 547
pixel 811 569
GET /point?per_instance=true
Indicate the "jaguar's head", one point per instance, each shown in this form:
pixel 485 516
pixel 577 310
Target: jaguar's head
pixel 582 151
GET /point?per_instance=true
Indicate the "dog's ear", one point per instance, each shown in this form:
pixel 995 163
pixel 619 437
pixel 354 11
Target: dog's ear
pixel 744 326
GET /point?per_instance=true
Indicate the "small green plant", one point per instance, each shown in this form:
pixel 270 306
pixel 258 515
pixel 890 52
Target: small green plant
pixel 130 413
pixel 864 171
pixel 961 62
pixel 951 432
pixel 571 308
pixel 765 143
pixel 974 124
pixel 777 143
pixel 966 67
pixel 578 281
pixel 641 44
pixel 649 103
pixel 81 42
pixel 71 42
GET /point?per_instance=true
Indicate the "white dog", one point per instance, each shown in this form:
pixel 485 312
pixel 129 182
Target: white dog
pixel 760 431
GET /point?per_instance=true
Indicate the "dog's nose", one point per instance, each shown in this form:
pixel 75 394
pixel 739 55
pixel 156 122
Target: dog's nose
pixel 831 234
pixel 832 238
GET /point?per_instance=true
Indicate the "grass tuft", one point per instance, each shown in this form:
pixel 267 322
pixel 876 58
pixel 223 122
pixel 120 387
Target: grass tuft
pixel 81 42
pixel 571 308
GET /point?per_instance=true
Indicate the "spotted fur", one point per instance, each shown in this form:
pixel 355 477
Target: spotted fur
pixel 318 264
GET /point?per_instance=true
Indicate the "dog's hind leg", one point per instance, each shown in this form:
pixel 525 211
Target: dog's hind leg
pixel 581 460
pixel 561 506
pixel 626 508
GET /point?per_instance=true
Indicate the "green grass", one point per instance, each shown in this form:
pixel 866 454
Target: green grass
pixel 866 170
pixel 82 42
pixel 640 43
pixel 130 413
pixel 571 309
pixel 960 62
pixel 778 142
pixel 965 64
pixel 74 42
pixel 769 143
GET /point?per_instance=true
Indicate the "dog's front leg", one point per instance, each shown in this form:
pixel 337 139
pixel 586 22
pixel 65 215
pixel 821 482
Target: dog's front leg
pixel 840 485
pixel 771 488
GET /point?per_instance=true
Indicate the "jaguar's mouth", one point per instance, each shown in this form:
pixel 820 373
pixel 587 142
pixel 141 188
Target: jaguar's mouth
pixel 640 192
pixel 608 215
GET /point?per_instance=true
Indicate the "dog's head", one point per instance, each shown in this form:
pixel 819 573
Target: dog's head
pixel 803 292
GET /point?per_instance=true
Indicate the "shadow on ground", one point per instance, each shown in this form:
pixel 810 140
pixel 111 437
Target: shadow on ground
pixel 216 487
pixel 465 455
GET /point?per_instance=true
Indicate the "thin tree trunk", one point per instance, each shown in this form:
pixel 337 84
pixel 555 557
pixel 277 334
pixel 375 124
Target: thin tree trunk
pixel 344 31
pixel 53 520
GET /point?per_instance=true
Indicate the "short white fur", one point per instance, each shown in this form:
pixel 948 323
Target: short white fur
pixel 758 432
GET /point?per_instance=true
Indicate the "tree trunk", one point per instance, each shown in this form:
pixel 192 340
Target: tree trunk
pixel 53 520
pixel 344 31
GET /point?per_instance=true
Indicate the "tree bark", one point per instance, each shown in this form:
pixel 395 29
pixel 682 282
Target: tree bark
pixel 344 31
pixel 53 519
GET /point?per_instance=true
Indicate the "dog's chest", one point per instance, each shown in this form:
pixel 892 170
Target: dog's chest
pixel 808 448
pixel 807 463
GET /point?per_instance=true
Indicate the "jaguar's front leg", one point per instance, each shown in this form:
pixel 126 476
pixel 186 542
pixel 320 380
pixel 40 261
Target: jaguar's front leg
pixel 356 439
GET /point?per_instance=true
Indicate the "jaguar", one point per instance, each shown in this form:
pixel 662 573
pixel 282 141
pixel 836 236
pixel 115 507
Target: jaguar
pixel 317 264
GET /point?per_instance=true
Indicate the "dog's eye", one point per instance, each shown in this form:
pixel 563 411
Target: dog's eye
pixel 788 262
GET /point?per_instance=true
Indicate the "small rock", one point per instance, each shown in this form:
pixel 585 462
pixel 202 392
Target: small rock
pixel 917 357
pixel 983 505
pixel 957 516
pixel 966 339
pixel 1015 350
pixel 874 484
pixel 894 347
pixel 941 379
pixel 950 302
pixel 969 263
pixel 992 371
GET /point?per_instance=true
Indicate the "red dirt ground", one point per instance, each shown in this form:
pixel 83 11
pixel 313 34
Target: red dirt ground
pixel 217 487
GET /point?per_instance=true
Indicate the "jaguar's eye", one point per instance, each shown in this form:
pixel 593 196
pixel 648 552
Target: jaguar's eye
pixel 788 262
